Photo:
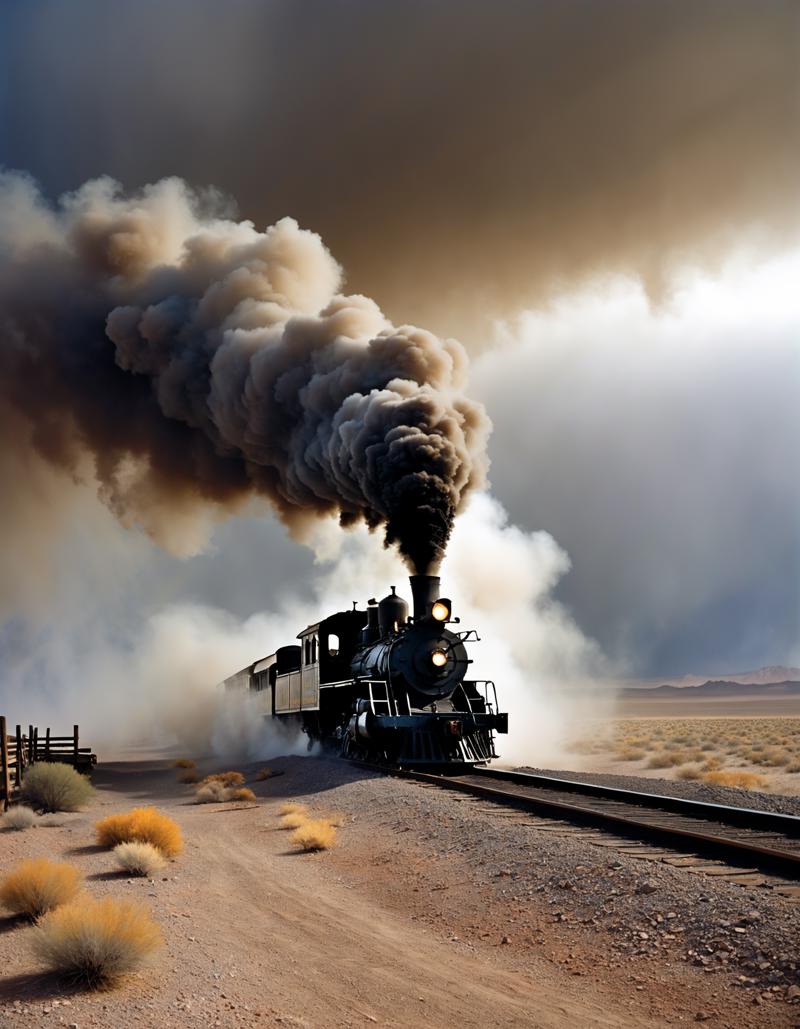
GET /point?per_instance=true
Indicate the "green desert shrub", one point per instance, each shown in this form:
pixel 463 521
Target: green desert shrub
pixel 51 786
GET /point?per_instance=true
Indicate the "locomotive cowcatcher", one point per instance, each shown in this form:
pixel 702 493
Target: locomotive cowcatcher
pixel 383 686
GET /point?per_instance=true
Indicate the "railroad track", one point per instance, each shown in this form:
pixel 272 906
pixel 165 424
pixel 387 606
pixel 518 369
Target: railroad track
pixel 740 844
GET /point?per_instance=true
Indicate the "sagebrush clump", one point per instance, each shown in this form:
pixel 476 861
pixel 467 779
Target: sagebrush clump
pixel 96 941
pixel 189 777
pixel 291 807
pixel 139 858
pixel 215 792
pixel 739 780
pixel 314 834
pixel 241 794
pixel 18 817
pixel 184 762
pixel 294 819
pixel 143 825
pixel 50 786
pixel 226 778
pixel 37 886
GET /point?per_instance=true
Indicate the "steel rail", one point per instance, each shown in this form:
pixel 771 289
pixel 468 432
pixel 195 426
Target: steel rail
pixel 632 817
pixel 727 814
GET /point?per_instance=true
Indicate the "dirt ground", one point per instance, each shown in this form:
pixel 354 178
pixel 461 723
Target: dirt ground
pixel 395 927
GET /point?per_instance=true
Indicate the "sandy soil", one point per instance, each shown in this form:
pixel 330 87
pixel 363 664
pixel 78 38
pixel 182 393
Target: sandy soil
pixel 387 929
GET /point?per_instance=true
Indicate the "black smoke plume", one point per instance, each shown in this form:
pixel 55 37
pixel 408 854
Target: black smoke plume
pixel 185 361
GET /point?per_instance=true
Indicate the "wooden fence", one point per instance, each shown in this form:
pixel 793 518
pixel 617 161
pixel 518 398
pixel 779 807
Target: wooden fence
pixel 20 750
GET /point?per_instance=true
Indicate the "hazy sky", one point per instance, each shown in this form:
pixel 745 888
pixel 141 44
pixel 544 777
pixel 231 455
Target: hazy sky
pixel 598 198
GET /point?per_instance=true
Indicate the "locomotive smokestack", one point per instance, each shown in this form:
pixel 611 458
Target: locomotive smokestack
pixel 425 590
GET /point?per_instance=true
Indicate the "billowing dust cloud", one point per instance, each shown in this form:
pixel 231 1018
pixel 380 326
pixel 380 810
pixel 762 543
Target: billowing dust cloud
pixel 194 363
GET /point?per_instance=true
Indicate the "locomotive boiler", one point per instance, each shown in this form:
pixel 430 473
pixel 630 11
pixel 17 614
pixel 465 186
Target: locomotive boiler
pixel 383 685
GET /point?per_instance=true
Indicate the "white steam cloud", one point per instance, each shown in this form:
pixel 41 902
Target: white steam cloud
pixel 157 682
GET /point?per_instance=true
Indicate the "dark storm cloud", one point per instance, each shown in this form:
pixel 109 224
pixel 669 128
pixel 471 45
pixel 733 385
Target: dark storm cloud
pixel 459 157
pixel 197 362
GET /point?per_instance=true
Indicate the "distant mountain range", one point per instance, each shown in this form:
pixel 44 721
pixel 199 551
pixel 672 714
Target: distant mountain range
pixel 714 688
pixel 770 676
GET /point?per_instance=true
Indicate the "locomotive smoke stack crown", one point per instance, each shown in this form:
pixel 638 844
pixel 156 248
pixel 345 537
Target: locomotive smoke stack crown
pixel 425 591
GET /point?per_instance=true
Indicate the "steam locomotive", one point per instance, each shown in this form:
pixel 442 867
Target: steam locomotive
pixel 384 687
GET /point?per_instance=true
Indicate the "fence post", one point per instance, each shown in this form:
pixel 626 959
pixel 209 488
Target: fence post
pixel 31 753
pixel 20 758
pixel 47 744
pixel 75 746
pixel 5 779
pixel 35 738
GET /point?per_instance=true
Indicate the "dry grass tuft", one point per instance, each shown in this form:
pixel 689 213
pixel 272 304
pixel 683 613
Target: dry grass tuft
pixel 210 793
pixel 188 778
pixel 18 817
pixel 50 786
pixel 294 820
pixel 241 793
pixel 184 762
pixel 316 834
pixel 215 792
pixel 666 759
pixel 143 825
pixel 37 886
pixel 690 772
pixel 290 807
pixel 630 754
pixel 262 774
pixel 139 858
pixel 97 941
pixel 226 778
pixel 741 780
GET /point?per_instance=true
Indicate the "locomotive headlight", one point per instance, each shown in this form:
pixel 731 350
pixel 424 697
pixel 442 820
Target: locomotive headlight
pixel 441 610
pixel 439 658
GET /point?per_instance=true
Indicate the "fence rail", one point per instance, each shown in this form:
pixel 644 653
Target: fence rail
pixel 19 751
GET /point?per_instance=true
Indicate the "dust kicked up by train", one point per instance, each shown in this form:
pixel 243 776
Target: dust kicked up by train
pixel 384 686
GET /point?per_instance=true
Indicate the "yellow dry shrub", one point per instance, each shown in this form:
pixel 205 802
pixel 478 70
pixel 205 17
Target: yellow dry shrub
pixel 226 778
pixel 188 778
pixel 240 793
pixel 629 754
pixel 37 886
pixel 216 793
pixel 113 829
pixel 666 759
pixel 262 774
pixel 315 834
pixel 291 807
pixel 184 762
pixel 689 772
pixel 742 780
pixel 143 824
pixel 96 941
pixel 294 820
